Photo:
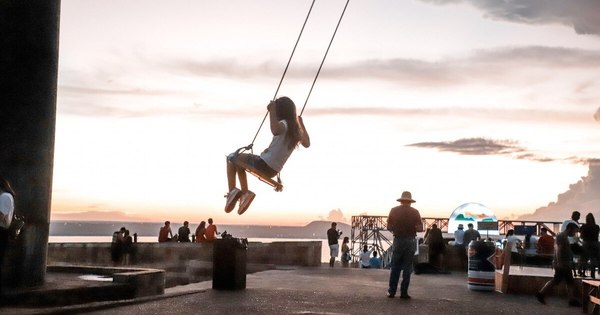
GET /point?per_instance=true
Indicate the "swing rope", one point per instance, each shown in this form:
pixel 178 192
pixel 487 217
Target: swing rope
pixel 325 56
pixel 283 75
pixel 249 147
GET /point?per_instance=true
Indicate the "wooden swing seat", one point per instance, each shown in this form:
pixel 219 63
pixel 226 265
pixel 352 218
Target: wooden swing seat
pixel 261 176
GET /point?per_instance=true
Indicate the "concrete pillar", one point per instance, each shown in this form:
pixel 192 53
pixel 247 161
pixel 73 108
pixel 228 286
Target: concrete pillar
pixel 28 85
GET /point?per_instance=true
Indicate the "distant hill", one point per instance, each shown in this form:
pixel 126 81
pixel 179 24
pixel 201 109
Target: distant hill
pixel 313 230
pixel 105 216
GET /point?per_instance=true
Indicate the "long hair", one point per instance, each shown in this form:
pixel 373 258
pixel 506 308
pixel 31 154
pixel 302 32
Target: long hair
pixel 589 219
pixel 286 110
pixel 5 186
pixel 201 226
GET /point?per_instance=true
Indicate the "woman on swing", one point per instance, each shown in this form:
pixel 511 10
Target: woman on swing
pixel 288 130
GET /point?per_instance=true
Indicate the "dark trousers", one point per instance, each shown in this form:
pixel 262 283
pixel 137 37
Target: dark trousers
pixel 3 248
pixel 403 252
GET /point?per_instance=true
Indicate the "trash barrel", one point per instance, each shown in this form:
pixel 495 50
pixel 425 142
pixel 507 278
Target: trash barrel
pixel 229 264
pixel 481 273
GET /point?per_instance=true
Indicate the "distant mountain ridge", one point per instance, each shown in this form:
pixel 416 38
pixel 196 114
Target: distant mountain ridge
pixel 313 230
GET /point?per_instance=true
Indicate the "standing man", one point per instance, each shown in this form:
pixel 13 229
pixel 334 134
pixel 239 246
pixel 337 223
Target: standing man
pixel 470 235
pixel 404 222
pixel 184 233
pixel 574 241
pixel 211 231
pixel 562 266
pixel 459 238
pixel 333 235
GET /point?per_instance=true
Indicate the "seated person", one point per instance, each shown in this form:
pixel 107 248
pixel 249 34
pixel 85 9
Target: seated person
pixel 545 243
pixel 184 233
pixel 437 246
pixel 516 245
pixel 375 262
pixel 165 231
pixel 365 257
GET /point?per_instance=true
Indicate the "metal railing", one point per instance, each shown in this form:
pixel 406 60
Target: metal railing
pixel 372 230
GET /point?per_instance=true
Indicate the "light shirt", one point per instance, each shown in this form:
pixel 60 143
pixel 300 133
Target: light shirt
pixel 365 259
pixel 532 249
pixel 459 237
pixel 563 227
pixel 515 241
pixel 7 207
pixel 278 152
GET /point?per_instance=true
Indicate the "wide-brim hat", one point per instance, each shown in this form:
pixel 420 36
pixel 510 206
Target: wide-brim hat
pixel 406 196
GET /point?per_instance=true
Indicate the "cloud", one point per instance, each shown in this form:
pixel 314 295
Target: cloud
pixel 87 92
pixel 583 196
pixel 582 15
pixel 336 215
pixel 474 146
pixel 482 146
pixel 491 65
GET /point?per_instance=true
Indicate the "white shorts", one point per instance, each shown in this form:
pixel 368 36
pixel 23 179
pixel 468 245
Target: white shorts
pixel 334 250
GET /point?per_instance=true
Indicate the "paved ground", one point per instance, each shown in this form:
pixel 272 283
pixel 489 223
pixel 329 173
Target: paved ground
pixel 325 291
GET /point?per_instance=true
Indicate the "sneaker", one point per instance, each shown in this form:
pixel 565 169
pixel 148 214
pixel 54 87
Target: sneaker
pixel 232 198
pixel 540 297
pixel 574 303
pixel 390 295
pixel 245 201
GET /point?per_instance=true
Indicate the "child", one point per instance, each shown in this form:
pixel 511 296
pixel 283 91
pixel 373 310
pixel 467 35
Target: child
pixel 288 130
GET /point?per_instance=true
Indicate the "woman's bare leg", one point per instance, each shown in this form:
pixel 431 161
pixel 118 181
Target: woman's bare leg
pixel 243 179
pixel 231 170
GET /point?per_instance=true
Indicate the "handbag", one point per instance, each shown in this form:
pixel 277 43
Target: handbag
pixel 14 230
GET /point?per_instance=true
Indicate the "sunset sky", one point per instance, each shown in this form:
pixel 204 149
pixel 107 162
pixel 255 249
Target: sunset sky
pixel 495 102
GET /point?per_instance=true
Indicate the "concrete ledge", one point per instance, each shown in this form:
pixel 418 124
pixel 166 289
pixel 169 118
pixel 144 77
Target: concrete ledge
pixel 141 281
pixel 175 255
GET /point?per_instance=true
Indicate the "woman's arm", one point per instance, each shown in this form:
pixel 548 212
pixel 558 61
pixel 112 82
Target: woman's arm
pixel 304 137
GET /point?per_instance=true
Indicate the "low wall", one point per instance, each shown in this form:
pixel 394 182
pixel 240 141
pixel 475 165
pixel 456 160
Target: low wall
pixel 171 255
pixel 142 282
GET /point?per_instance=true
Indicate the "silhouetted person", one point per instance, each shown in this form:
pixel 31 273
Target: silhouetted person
pixel 165 232
pixel 589 234
pixel 437 246
pixel 211 231
pixel 200 230
pixel 7 208
pixel 128 249
pixel 184 233
pixel 545 244
pixel 116 246
pixel 375 261
pixel 333 235
pixel 470 235
pixel 404 222
pixel 563 255
pixel 288 131
pixel 365 257
pixel 574 241
pixel 346 257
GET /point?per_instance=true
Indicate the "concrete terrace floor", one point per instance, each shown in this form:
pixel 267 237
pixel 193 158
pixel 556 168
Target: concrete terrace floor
pixel 323 290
